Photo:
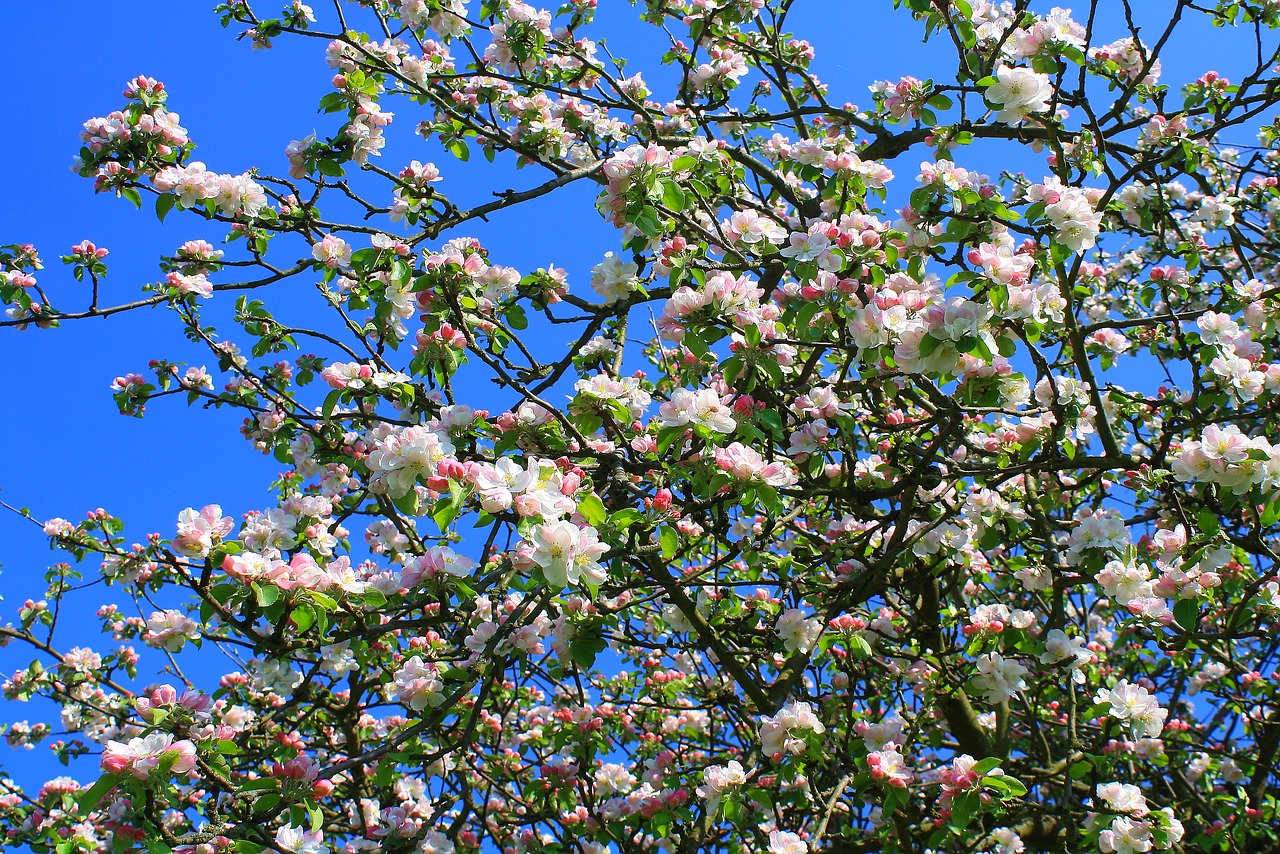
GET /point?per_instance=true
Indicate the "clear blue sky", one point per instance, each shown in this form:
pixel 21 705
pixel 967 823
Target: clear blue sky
pixel 67 449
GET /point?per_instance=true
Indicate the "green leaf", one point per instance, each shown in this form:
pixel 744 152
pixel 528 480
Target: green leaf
pixel 669 540
pixel 365 259
pixel 1015 787
pixel 303 617
pixel 695 345
pixel 592 509
pixel 893 799
pixel 769 497
pixel 648 223
pixel 323 600
pixel 1097 710
pixel 407 503
pixel 626 518
pixel 401 272
pixel 265 594
pixel 89 798
pixel 164 204
pixel 859 647
pixel 771 419
pixel 983 766
pixel 979 348
pixel 584 650
pixel 667 437
pixel 516 318
pixel 332 102
pixel 963 808
pixel 267 802
pixel 804 318
pixel 221 593
pixel 1187 614
pixel 672 196
pixel 331 169
pixel 773 369
pixel 619 411
pixel 330 401
pixel 447 509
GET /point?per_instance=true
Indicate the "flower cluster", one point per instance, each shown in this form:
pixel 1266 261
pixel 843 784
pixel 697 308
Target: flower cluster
pixel 1226 456
pixel 818 519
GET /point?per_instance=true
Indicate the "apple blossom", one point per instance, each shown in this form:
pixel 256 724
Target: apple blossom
pixel 1019 92
pixel 142 757
pixel 199 532
pixel 567 553
pixel 786 842
pixel 296 840
pixel 417 684
pixel 702 407
pixel 1134 707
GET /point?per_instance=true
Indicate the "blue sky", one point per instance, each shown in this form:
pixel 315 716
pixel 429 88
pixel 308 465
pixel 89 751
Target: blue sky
pixel 69 451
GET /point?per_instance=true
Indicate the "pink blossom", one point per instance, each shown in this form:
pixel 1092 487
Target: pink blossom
pixel 199 532
pixel 702 407
pixel 568 554
pixel 332 252
pixel 889 766
pixel 142 757
pixel 746 464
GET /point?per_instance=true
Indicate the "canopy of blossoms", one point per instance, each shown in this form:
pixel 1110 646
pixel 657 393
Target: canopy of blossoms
pixel 874 505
